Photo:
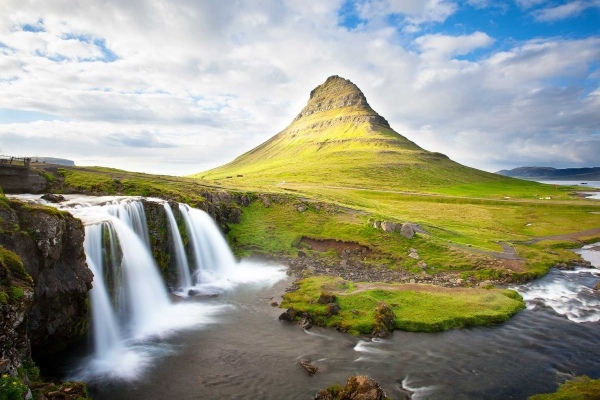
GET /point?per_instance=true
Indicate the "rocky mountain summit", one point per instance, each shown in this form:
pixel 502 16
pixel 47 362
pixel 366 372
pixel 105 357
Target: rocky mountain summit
pixel 340 93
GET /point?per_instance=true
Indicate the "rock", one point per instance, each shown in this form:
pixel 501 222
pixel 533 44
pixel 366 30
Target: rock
pixel 413 254
pixel 274 304
pixel 309 368
pixel 597 287
pixel 301 253
pixel 53 198
pixel 50 245
pixel 306 321
pixel 301 208
pixel 407 230
pixel 288 315
pixel 388 226
pixel 193 292
pixel 357 388
pixel 266 201
pixel 333 309
pixel 422 264
pixel 326 298
pixel 385 320
pixel 377 225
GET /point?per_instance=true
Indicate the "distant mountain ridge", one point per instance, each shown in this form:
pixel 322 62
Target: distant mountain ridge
pixel 549 173
pixel 339 140
pixel 54 160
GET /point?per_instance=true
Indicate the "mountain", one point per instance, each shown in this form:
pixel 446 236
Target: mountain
pixel 549 173
pixel 339 140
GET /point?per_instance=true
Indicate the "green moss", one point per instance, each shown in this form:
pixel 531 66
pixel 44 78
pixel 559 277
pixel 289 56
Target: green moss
pixel 11 264
pixel 580 388
pixel 417 308
pixel 16 293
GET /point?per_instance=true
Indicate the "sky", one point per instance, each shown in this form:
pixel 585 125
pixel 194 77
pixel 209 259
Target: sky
pixel 180 86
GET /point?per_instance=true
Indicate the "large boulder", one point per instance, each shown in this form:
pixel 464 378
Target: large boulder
pixel 385 320
pixel 359 387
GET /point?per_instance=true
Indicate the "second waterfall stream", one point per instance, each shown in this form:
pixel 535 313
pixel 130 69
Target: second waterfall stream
pixel 131 307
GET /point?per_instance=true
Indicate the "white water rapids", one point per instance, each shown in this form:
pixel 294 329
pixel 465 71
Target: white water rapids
pixel 569 293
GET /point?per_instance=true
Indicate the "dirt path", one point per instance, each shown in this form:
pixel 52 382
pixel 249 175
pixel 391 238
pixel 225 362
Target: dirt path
pixel 576 236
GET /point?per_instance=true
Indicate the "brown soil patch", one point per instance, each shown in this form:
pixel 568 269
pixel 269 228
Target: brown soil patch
pixel 338 246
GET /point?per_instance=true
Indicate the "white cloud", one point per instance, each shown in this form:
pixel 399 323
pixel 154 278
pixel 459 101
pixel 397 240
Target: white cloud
pixel 178 87
pixel 564 11
pixel 439 45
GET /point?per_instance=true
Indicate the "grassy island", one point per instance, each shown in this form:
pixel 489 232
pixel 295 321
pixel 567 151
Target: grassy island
pixel 415 307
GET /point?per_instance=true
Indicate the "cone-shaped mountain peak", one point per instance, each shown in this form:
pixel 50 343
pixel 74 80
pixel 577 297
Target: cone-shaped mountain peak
pixel 339 140
pixel 337 93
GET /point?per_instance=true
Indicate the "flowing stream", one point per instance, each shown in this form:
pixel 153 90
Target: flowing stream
pixel 233 345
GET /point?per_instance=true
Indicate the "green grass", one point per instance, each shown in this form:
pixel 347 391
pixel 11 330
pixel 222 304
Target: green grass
pixel 99 180
pixel 580 388
pixel 418 308
pixel 452 226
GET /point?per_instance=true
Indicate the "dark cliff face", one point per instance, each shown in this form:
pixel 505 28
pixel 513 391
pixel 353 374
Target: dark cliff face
pixel 50 245
pixel 21 180
pixel 16 300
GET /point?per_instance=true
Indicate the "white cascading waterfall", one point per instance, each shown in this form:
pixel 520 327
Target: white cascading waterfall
pixel 104 322
pixel 184 278
pixel 212 257
pixel 130 303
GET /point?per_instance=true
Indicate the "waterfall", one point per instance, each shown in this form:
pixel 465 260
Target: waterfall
pixel 130 304
pixel 212 256
pixel 106 332
pixel 183 267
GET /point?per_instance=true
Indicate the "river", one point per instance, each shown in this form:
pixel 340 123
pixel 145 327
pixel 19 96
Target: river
pixel 249 354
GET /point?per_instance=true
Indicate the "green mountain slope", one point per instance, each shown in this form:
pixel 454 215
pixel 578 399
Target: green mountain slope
pixel 339 140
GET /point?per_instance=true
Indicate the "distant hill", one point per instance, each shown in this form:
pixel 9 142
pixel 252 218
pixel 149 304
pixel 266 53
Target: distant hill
pixel 53 160
pixel 339 140
pixel 549 173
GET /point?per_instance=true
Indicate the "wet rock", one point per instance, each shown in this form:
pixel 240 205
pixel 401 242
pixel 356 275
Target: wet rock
pixel 193 292
pixel 309 368
pixel 289 315
pixel 53 198
pixel 274 304
pixel 306 321
pixel 597 287
pixel 359 387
